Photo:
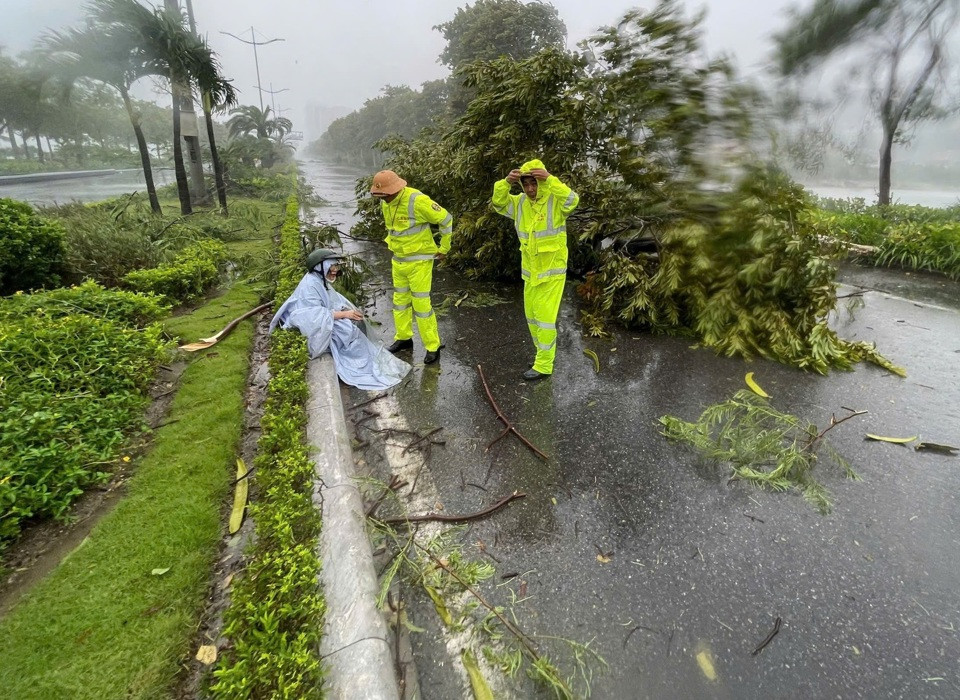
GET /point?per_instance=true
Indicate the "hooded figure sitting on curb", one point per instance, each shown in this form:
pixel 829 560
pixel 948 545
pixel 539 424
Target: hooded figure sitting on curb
pixel 327 319
pixel 539 215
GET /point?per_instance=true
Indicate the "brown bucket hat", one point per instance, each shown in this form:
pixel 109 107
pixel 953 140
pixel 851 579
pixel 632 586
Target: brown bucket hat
pixel 387 182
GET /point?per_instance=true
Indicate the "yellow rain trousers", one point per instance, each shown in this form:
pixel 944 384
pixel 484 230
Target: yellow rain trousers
pixel 408 218
pixel 541 226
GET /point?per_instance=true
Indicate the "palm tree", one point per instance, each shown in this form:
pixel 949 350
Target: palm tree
pixel 162 39
pixel 217 93
pixel 110 56
pixel 249 119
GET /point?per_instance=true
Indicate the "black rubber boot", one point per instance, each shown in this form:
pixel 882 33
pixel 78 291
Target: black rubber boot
pixel 431 356
pixel 398 345
pixel 532 375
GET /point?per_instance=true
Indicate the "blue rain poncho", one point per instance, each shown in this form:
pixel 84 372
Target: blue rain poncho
pixel 359 362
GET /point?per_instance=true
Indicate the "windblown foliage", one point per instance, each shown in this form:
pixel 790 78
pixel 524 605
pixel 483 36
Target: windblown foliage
pixel 762 445
pixel 646 131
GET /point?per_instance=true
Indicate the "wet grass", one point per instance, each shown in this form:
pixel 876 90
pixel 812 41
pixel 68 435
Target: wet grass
pixel 119 613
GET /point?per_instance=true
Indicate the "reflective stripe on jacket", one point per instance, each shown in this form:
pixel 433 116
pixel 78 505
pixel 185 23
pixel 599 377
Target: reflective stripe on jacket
pixel 541 226
pixel 408 218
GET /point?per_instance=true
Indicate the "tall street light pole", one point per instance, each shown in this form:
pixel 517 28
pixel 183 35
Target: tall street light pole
pixel 273 92
pixel 256 60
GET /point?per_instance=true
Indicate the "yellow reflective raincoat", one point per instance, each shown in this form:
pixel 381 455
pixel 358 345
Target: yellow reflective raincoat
pixel 541 226
pixel 409 236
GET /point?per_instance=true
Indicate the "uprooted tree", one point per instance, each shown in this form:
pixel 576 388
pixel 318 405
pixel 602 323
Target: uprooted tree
pixel 674 232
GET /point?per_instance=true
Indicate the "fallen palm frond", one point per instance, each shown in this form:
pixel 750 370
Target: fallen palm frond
pixel 596 360
pixel 205 343
pixel 762 445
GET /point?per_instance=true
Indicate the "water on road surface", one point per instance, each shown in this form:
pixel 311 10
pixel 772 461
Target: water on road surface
pixel 868 596
pixel 91 189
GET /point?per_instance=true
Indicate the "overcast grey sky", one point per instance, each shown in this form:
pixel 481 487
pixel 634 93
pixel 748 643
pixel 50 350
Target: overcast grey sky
pixel 341 53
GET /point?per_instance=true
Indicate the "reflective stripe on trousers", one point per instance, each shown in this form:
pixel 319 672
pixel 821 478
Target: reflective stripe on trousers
pixel 411 299
pixel 541 304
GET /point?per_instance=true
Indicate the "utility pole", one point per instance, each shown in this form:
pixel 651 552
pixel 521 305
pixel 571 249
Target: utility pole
pixel 256 61
pixel 273 92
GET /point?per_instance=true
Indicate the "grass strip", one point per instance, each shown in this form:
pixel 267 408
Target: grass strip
pixel 274 622
pixel 103 624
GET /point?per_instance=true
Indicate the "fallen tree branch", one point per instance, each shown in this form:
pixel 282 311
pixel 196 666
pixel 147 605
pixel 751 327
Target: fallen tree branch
pixel 439 517
pixel 506 422
pixel 205 343
pixel 527 643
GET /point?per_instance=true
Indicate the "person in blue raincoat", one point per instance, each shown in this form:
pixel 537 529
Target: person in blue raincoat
pixel 329 322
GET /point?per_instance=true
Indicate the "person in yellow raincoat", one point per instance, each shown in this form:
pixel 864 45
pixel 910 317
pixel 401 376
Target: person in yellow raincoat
pixel 408 214
pixel 539 214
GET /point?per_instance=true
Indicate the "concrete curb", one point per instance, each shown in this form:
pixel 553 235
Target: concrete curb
pixel 355 644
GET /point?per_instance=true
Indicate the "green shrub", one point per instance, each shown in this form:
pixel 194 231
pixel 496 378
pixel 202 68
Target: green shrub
pixel 933 246
pixel 860 228
pixel 31 249
pixel 126 308
pixel 193 271
pixel 910 237
pixel 275 619
pixel 105 244
pixel 72 387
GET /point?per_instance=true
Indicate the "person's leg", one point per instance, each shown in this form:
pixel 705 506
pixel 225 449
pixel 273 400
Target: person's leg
pixel 529 296
pixel 543 321
pixel 420 277
pixel 402 306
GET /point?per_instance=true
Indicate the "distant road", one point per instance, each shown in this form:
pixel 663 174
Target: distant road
pixel 47 177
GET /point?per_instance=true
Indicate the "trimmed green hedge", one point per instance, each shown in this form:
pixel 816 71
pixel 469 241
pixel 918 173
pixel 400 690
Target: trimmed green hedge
pixel 275 619
pixel 75 368
pixel 193 271
pixel 914 238
pixel 31 249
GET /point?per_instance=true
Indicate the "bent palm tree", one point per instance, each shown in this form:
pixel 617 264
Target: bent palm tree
pixel 162 39
pixel 110 57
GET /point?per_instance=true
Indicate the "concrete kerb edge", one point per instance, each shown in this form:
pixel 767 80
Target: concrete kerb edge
pixel 355 644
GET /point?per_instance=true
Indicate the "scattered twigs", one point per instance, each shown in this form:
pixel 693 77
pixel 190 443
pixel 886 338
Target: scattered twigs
pixel 852 294
pixel 395 484
pixel 638 627
pixel 425 436
pixel 765 642
pixel 438 517
pixel 506 422
pixel 368 401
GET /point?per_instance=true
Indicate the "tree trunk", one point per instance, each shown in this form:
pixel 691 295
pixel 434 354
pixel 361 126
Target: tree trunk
pixel 40 157
pixel 49 147
pixel 26 145
pixel 183 187
pixel 886 161
pixel 214 155
pixel 144 153
pixel 13 143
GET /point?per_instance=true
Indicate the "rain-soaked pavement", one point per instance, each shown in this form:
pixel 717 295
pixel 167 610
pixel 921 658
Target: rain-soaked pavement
pixel 91 189
pixel 869 595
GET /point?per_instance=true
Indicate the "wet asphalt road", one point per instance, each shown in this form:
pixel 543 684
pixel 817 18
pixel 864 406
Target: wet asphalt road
pixel 869 595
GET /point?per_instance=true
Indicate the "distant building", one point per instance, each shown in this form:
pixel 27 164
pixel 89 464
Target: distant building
pixel 320 116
